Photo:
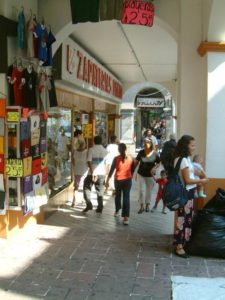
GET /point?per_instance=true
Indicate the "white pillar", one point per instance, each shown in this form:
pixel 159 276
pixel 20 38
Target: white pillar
pixel 215 140
pixel 191 101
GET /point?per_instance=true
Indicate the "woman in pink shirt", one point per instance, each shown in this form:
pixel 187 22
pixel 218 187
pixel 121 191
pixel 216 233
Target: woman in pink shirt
pixel 123 164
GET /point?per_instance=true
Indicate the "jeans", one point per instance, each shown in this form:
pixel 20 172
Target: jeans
pixel 99 187
pixel 123 186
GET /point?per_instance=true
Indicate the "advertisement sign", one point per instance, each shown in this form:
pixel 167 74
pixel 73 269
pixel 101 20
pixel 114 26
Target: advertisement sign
pixel 87 131
pixel 138 12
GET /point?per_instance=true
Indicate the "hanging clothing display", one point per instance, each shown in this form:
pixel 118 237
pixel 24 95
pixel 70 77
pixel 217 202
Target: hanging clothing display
pixel 29 79
pixel 21 30
pixel 42 34
pixel 44 86
pixel 10 86
pixel 52 94
pixel 30 37
pixel 16 80
pixel 51 39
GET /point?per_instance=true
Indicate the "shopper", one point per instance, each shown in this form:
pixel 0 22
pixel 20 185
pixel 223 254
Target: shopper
pixel 148 160
pixel 185 149
pixel 80 167
pixel 123 165
pixel 96 174
pixel 112 150
pixel 63 149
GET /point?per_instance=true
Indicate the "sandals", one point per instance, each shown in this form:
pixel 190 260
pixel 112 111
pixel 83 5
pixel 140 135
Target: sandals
pixel 181 253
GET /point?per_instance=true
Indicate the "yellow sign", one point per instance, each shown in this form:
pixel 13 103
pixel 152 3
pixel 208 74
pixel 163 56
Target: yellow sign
pixel 87 130
pixel 13 116
pixel 43 160
pixel 14 167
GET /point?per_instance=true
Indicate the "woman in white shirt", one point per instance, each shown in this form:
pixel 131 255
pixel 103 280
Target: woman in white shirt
pixel 185 148
pixel 112 150
pixel 80 167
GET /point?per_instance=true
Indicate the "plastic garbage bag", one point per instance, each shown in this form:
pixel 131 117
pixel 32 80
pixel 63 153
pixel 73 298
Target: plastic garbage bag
pixel 208 229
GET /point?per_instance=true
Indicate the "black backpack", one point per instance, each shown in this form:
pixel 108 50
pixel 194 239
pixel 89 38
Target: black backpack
pixel 174 192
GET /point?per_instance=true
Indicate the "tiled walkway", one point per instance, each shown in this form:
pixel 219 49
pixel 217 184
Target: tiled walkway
pixel 94 256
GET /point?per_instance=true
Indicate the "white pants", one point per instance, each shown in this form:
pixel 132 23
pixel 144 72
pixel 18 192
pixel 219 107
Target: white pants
pixel 146 185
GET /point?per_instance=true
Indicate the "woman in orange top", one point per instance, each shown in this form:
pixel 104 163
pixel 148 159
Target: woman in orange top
pixel 123 164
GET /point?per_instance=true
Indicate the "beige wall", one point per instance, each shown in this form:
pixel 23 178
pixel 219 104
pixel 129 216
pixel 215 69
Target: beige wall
pixel 191 102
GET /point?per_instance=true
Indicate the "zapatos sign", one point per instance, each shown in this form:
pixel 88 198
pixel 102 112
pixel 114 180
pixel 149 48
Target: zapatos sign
pixel 138 12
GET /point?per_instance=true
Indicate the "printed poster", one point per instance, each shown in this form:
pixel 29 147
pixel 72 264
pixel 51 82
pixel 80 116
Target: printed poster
pixel 35 136
pixel 27 166
pixel 35 122
pixel 44 160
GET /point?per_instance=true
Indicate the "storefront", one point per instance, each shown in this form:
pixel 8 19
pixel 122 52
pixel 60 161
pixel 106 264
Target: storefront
pixel 88 97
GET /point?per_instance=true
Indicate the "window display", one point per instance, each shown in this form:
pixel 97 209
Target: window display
pixel 58 148
pixel 101 126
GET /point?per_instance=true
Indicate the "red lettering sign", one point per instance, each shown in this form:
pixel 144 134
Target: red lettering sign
pixel 138 12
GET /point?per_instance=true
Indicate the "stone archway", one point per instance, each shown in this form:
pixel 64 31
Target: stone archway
pixel 129 113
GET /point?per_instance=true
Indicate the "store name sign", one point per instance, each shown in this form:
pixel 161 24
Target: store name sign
pixel 150 102
pixel 83 70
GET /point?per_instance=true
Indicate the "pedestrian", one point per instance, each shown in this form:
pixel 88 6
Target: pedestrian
pixel 148 160
pixel 63 149
pixel 167 154
pixel 78 137
pixel 185 149
pixel 149 135
pixel 96 174
pixel 112 150
pixel 199 173
pixel 80 167
pixel 161 182
pixel 123 165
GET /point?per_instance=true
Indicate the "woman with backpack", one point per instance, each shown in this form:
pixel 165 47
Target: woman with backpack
pixel 185 149
pixel 123 164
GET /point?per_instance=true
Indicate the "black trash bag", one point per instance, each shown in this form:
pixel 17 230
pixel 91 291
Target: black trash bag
pixel 208 229
pixel 217 203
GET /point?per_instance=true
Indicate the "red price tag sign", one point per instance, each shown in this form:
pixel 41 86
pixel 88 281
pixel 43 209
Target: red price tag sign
pixel 138 12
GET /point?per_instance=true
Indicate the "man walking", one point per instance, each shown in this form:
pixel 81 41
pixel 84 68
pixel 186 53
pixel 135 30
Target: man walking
pixel 96 174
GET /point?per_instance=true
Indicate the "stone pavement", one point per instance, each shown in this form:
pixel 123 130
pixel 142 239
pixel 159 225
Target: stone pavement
pixel 76 256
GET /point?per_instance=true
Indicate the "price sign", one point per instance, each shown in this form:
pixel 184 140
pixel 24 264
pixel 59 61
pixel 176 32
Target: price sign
pixel 14 167
pixel 13 116
pixel 138 12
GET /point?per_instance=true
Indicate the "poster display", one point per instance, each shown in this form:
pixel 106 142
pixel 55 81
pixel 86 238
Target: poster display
pixel 24 168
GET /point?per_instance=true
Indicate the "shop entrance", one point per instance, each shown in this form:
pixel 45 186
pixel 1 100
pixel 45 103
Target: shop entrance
pixel 150 118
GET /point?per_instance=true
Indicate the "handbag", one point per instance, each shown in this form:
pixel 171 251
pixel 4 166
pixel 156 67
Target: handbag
pixel 175 195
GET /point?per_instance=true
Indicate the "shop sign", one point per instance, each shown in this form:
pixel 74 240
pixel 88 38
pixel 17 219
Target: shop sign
pixel 79 68
pixel 87 131
pixel 14 167
pixel 150 102
pixel 138 12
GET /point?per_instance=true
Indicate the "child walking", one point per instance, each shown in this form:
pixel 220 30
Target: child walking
pixel 161 182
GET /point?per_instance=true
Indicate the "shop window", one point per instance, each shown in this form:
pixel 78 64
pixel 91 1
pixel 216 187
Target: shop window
pixel 59 148
pixel 101 126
